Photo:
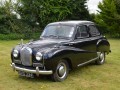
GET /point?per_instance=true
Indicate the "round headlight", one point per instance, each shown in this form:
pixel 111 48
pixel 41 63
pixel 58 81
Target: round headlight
pixel 15 53
pixel 38 56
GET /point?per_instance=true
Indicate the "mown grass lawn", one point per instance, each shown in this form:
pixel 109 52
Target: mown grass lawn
pixel 89 77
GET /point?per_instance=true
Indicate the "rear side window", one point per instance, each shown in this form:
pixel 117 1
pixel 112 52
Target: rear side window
pixel 93 30
pixel 82 32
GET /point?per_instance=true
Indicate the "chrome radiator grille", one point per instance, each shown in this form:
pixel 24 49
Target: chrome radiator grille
pixel 26 56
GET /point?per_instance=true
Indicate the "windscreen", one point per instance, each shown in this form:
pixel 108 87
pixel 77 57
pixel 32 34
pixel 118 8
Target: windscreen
pixel 62 31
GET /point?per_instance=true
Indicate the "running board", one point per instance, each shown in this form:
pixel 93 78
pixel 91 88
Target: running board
pixel 87 62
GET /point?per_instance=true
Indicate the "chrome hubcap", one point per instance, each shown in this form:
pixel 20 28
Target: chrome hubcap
pixel 61 70
pixel 102 57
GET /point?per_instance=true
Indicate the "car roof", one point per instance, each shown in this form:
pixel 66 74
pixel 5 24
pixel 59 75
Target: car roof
pixel 74 23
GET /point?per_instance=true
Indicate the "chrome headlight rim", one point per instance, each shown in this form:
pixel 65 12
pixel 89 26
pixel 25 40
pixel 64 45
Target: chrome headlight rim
pixel 15 53
pixel 38 56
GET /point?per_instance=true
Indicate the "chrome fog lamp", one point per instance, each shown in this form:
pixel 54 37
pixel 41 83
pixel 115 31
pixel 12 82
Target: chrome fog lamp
pixel 15 53
pixel 38 56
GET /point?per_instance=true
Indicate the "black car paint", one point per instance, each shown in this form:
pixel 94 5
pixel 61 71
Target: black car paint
pixel 72 54
pixel 75 51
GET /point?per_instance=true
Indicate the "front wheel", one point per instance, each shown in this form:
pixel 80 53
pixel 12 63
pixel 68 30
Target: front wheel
pixel 61 71
pixel 101 59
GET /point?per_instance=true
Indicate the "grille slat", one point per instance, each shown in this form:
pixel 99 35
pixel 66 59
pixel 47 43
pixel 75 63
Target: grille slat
pixel 26 56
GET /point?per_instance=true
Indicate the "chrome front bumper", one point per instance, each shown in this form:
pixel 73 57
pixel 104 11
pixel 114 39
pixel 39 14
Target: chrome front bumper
pixel 36 71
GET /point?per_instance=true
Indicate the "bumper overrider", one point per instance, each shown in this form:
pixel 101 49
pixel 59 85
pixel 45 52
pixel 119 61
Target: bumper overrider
pixel 35 71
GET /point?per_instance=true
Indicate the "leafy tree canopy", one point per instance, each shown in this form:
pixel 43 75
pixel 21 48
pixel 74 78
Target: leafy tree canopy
pixel 109 16
pixel 36 14
pixel 46 11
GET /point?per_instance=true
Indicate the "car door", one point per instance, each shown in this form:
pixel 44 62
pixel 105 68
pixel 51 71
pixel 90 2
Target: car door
pixel 83 42
pixel 94 37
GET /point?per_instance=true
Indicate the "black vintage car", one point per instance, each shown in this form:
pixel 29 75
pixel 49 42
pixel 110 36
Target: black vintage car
pixel 61 47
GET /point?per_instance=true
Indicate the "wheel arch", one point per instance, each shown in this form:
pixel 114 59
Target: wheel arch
pixel 103 46
pixel 69 62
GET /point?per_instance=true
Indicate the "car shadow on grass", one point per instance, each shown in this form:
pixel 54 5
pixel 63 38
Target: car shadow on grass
pixel 41 78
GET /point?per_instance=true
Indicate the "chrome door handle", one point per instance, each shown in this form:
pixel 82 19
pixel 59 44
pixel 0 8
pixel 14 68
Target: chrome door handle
pixel 71 44
pixel 91 39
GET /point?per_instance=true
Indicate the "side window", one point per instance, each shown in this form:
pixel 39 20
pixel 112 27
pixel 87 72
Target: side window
pixel 93 30
pixel 82 32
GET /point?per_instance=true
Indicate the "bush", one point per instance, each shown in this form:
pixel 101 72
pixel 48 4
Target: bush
pixel 11 36
pixel 16 36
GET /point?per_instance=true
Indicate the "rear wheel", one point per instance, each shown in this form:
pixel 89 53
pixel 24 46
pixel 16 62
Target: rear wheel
pixel 101 59
pixel 61 71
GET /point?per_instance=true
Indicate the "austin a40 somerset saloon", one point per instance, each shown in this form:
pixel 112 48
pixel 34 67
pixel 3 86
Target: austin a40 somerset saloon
pixel 62 46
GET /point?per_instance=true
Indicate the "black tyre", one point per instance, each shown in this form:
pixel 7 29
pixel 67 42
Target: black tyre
pixel 101 59
pixel 61 71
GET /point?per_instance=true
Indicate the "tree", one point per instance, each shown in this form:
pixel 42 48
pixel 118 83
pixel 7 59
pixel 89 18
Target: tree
pixel 109 16
pixel 36 14
pixel 8 18
pixel 46 11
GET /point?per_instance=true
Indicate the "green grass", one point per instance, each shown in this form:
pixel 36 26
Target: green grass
pixel 89 77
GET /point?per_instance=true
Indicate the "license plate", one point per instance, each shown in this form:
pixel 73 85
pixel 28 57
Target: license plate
pixel 25 74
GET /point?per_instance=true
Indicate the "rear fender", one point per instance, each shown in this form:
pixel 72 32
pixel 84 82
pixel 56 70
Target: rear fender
pixel 103 46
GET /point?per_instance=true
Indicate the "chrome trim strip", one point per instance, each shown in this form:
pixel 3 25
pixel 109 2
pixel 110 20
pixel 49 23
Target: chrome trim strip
pixel 36 71
pixel 87 62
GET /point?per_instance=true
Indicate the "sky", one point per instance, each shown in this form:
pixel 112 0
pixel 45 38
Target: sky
pixel 92 5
